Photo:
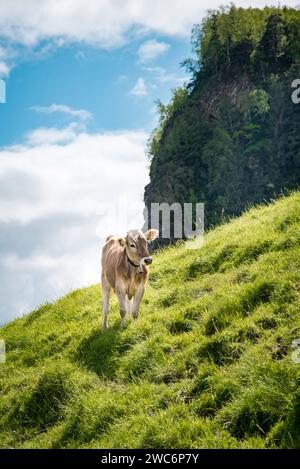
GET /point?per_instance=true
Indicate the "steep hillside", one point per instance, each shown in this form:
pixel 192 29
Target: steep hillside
pixel 209 363
pixel 231 138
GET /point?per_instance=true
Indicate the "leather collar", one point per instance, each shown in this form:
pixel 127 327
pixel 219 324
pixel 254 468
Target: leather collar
pixel 130 261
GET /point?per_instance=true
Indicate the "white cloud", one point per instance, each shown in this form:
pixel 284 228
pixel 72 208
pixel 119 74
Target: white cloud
pixel 57 204
pixel 81 114
pixel 53 135
pixel 107 23
pixel 162 76
pixel 4 65
pixel 4 69
pixel 151 49
pixel 140 88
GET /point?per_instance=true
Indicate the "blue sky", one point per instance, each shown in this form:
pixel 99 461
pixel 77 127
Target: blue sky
pixel 81 82
pixel 99 81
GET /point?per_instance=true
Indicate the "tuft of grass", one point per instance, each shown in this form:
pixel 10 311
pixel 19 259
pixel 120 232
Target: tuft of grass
pixel 208 364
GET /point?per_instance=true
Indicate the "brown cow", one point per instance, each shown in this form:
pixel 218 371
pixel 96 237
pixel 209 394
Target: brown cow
pixel 124 268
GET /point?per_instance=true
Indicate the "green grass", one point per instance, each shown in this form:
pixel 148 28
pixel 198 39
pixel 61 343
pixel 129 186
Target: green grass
pixel 207 365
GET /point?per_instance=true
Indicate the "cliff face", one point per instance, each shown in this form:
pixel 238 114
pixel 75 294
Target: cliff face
pixel 230 138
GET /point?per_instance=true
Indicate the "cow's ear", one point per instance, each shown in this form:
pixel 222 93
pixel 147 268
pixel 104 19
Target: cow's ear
pixel 122 241
pixel 151 234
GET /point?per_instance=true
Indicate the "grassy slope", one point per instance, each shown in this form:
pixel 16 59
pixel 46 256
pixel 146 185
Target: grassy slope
pixel 208 363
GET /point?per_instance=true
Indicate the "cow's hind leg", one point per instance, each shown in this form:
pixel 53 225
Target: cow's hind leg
pixel 105 303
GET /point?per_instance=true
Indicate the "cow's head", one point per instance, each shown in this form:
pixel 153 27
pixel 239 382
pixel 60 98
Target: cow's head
pixel 136 245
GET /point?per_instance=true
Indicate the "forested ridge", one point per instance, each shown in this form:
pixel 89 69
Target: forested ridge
pixel 230 137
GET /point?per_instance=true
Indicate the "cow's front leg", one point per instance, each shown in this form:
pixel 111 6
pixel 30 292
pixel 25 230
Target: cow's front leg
pixel 137 301
pixel 128 304
pixel 122 300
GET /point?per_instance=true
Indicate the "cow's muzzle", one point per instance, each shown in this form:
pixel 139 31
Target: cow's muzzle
pixel 147 260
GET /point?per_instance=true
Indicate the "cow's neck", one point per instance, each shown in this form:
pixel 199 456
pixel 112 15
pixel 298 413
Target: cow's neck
pixel 132 268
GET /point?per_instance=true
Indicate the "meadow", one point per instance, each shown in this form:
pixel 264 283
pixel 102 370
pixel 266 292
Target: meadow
pixel 208 364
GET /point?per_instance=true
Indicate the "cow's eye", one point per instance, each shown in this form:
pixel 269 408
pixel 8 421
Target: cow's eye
pixel 132 245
